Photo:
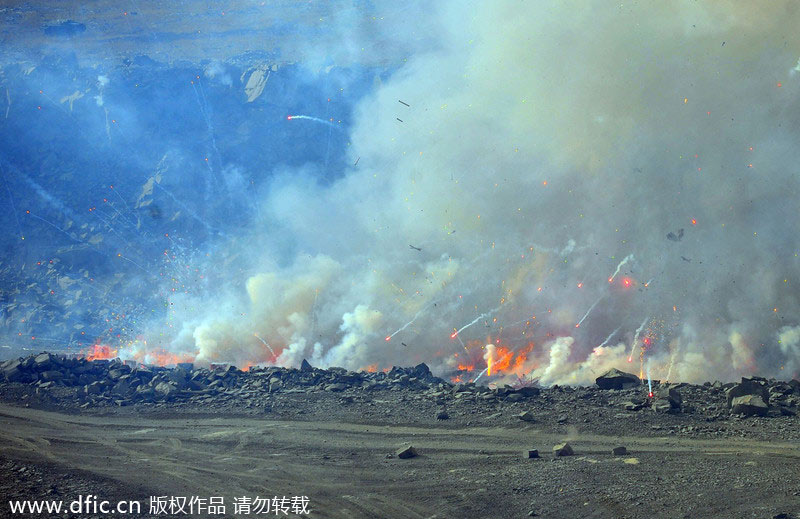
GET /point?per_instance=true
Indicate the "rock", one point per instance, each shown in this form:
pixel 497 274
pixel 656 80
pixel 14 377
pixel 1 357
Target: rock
pixel 421 370
pixel 336 387
pixel 671 395
pixel 616 379
pixel 442 415
pixel 619 451
pixel 12 371
pixel 531 454
pixel 165 390
pixel 305 367
pixel 528 391
pixel 662 406
pixel 749 405
pixel 405 452
pixel 563 449
pixel 43 361
pixel 51 375
pixel 632 406
pixel 748 386
pixel 515 397
pixel 526 416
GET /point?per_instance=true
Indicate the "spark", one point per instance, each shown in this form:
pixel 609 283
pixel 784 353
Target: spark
pixel 625 260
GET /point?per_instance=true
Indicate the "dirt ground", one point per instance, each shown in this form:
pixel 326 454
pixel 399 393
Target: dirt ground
pixel 348 470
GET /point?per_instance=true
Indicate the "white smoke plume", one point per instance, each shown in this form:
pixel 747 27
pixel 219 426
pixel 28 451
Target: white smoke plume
pixel 544 143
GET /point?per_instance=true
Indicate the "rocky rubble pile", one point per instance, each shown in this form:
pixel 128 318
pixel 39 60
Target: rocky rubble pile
pixel 114 382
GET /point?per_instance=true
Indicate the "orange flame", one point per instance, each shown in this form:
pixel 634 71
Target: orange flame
pixel 466 367
pixel 99 352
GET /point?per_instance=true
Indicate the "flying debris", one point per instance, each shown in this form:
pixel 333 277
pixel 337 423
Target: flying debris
pixel 675 237
pixel 404 344
pixel 399 119
pixel 687 260
pixel 402 103
pixel 356 163
pixel 415 248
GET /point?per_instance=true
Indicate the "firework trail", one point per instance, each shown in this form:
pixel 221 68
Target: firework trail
pixel 309 118
pixel 588 312
pixel 649 381
pixel 636 337
pixel 625 260
pixel 608 338
pixel 265 344
pixel 479 374
pixel 389 337
pixel 483 315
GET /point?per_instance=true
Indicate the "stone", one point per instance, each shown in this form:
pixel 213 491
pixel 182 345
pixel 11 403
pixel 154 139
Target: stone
pixel 662 406
pixel 563 449
pixel 528 391
pixel 442 415
pixel 43 361
pixel 749 405
pixel 12 371
pixel 421 370
pixel 336 387
pixel 406 451
pixel 671 395
pixel 51 375
pixel 616 379
pixel 531 454
pixel 526 416
pixel 515 397
pixel 305 367
pixel 619 451
pixel 748 386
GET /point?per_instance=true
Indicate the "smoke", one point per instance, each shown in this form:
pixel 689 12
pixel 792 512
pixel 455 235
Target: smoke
pixel 544 146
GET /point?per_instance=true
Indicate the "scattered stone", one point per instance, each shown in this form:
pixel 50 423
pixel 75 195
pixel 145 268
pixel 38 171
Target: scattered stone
pixel 442 415
pixel 531 454
pixel 616 379
pixel 526 416
pixel 619 451
pixel 405 452
pixel 563 449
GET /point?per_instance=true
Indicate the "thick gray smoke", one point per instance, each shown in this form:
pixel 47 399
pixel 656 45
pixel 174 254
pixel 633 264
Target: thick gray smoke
pixel 544 143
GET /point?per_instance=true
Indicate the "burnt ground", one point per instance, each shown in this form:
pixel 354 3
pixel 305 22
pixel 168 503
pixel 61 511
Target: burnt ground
pixel 337 446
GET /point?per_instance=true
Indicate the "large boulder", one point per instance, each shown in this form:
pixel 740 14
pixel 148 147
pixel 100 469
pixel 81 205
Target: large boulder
pixel 749 405
pixel 748 386
pixel 305 367
pixel 616 379
pixel 12 371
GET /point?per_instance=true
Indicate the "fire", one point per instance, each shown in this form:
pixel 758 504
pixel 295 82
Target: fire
pixel 503 360
pixel 456 379
pixel 466 367
pixel 372 368
pixel 99 351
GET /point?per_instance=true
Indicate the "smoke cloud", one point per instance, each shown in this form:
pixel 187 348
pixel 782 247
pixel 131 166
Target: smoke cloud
pixel 542 144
